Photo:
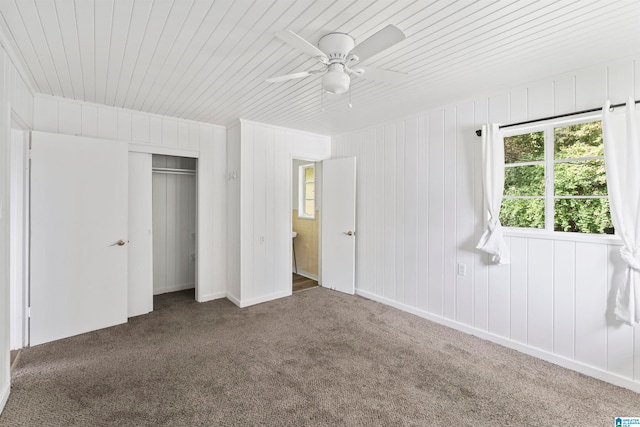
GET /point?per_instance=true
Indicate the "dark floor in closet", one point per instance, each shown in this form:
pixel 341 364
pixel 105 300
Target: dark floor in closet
pixel 171 298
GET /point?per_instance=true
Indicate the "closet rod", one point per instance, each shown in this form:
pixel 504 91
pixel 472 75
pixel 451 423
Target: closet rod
pixel 526 122
pixel 174 171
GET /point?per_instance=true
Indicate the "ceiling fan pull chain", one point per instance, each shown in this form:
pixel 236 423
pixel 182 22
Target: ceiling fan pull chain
pixel 321 99
pixel 350 104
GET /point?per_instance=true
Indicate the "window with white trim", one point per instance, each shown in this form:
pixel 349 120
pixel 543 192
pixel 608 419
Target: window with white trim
pixel 307 191
pixel 555 178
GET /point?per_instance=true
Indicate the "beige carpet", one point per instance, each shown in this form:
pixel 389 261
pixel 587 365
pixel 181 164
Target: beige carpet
pixel 316 358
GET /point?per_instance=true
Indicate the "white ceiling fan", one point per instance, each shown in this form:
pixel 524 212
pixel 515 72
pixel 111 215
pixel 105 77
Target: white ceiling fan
pixel 338 51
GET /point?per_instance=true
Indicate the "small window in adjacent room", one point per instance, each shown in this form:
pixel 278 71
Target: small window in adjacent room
pixel 555 179
pixel 307 191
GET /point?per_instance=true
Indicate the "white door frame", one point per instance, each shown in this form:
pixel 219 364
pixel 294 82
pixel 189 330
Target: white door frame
pixel 141 282
pixel 19 235
pixel 195 207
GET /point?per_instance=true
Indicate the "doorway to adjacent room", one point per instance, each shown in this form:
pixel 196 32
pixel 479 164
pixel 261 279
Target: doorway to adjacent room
pixel 305 221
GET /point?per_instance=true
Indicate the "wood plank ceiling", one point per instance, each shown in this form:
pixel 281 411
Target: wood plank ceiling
pixel 207 60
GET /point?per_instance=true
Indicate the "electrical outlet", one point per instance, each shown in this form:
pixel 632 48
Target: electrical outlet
pixel 462 269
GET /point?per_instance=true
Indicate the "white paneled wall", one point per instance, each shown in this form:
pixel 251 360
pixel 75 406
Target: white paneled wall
pixel 174 226
pixel 419 215
pixel 159 134
pixel 211 266
pixel 150 133
pixel 260 156
pixel 16 103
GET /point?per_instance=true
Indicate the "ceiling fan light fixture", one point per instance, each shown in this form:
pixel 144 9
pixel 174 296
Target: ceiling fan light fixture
pixel 336 82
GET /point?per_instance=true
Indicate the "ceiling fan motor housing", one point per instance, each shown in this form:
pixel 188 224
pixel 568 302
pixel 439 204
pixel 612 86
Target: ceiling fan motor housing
pixel 336 46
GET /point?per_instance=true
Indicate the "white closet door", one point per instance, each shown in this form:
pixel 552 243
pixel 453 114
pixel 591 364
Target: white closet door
pixel 78 215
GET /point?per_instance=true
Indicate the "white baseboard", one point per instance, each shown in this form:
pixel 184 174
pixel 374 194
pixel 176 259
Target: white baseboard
pixel 258 300
pixel 307 275
pixel 176 288
pixel 234 300
pixel 523 348
pixel 211 297
pixel 4 395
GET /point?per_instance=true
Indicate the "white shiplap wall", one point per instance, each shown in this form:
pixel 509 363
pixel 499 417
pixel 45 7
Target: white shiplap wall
pixel 16 102
pixel 145 132
pixel 154 134
pixel 419 207
pixel 259 207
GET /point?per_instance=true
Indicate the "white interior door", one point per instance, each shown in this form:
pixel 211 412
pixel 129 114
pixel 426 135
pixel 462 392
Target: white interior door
pixel 339 224
pixel 78 235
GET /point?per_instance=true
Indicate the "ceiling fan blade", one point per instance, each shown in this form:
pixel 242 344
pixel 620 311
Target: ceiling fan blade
pixel 286 77
pixel 382 40
pixel 384 76
pixel 301 44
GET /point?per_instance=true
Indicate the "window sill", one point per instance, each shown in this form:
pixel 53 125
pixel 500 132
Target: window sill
pixel 608 239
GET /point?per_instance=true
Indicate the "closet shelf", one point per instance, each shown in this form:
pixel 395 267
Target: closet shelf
pixel 174 171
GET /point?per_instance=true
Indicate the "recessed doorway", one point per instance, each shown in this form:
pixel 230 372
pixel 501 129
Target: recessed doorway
pixel 305 221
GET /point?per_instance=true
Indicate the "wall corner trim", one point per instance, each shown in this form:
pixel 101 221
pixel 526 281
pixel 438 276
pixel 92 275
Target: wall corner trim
pixel 211 297
pixel 233 299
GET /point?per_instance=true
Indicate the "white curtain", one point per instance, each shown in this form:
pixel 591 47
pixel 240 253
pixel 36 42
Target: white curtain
pixel 492 240
pixel 622 161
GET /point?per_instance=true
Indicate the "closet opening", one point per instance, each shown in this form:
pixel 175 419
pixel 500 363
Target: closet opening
pixel 305 221
pixel 174 229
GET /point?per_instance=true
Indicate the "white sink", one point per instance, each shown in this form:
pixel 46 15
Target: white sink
pixel 294 234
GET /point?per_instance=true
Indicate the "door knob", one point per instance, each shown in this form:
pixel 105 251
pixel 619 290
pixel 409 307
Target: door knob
pixel 120 242
pixel 349 233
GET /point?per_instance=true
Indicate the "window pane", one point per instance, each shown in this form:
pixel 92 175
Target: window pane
pixel 309 192
pixel 522 213
pixel 309 206
pixel 524 148
pixel 583 216
pixel 581 178
pixel 309 174
pixel 582 140
pixel 524 181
